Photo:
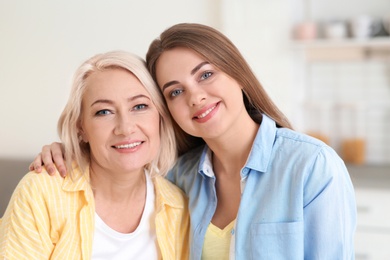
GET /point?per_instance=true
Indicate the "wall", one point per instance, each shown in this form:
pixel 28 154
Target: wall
pixel 262 31
pixel 43 42
pixel 349 100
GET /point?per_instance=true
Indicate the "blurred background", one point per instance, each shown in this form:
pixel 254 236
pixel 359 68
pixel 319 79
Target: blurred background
pixel 326 63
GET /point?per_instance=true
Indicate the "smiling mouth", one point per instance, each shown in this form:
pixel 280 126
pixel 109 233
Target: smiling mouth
pixel 128 146
pixel 204 114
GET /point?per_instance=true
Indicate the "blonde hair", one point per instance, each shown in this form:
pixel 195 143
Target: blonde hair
pixel 69 122
pixel 217 49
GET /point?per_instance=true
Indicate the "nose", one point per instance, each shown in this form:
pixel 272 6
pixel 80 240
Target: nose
pixel 125 125
pixel 196 96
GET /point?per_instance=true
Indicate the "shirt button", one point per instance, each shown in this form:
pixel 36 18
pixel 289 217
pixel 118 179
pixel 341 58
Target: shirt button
pixel 232 232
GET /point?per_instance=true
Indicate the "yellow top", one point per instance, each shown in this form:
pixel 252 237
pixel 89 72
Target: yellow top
pixel 217 242
pixel 50 217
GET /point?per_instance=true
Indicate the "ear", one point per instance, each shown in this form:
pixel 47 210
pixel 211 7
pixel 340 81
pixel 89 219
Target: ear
pixel 82 136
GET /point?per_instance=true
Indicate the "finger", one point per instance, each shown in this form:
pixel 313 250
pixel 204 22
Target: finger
pixel 36 165
pixel 58 158
pixel 47 159
pixel 62 170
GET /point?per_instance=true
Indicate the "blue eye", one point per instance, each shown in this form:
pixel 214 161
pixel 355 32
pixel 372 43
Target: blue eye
pixel 206 75
pixel 176 92
pixel 103 112
pixel 140 107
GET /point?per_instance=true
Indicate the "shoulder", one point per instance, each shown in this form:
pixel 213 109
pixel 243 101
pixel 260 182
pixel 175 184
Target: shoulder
pixel 169 192
pixel 33 180
pixel 33 193
pixel 35 190
pixel 288 140
pixel 162 183
pixel 306 152
pixel 186 164
pixel 274 142
pixel 288 135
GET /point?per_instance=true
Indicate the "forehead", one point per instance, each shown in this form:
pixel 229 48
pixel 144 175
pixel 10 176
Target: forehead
pixel 176 62
pixel 178 55
pixel 111 81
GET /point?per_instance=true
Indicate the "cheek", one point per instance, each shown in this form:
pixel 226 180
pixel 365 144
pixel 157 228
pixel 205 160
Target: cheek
pixel 178 112
pixel 156 129
pixel 153 126
pixel 154 136
pixel 94 134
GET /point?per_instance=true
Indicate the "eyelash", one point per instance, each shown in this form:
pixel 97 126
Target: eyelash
pixel 209 73
pixel 104 112
pixel 143 107
pixel 177 92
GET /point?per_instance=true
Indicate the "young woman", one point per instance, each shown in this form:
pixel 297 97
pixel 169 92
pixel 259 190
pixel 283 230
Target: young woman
pixel 257 189
pixel 114 202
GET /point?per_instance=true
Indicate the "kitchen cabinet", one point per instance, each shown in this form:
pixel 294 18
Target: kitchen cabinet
pixel 372 237
pixel 372 190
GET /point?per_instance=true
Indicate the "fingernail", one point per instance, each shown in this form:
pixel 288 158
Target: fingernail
pixel 50 170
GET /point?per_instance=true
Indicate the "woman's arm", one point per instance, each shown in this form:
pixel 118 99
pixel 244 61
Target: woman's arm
pixel 329 210
pixel 25 227
pixel 52 157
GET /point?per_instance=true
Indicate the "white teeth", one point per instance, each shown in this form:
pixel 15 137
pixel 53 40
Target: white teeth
pixel 126 146
pixel 206 112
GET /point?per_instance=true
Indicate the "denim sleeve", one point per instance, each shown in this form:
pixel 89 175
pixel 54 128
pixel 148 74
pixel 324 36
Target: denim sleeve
pixel 329 209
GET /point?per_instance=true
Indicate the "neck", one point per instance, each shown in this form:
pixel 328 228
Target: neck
pixel 231 151
pixel 117 188
pixel 119 198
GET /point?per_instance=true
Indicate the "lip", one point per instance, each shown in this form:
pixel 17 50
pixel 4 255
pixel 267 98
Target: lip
pixel 206 113
pixel 128 146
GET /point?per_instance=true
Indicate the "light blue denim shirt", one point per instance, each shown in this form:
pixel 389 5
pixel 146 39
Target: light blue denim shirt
pixel 298 201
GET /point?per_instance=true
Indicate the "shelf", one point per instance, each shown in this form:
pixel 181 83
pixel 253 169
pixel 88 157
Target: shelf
pixel 372 43
pixel 345 49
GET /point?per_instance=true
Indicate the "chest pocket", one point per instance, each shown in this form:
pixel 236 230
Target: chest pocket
pixel 277 241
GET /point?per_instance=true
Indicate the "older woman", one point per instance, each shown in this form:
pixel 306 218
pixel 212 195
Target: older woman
pixel 114 202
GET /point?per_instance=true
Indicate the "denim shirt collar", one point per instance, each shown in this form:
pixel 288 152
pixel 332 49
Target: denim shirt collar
pixel 259 156
pixel 205 167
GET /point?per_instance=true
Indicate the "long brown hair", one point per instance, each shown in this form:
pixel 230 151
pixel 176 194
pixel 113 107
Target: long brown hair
pixel 217 49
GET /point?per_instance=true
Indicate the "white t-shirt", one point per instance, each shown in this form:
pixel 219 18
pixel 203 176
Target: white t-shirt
pixel 140 244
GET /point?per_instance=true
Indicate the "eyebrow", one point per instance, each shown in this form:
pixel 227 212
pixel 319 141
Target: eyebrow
pixel 108 101
pixel 193 71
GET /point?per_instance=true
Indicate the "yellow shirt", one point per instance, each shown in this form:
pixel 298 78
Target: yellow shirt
pixel 217 242
pixel 50 217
